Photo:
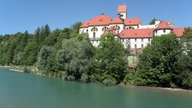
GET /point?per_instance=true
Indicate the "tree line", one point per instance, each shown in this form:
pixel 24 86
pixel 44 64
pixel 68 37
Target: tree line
pixel 166 62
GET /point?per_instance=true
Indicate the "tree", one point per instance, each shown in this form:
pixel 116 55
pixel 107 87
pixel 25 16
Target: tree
pixel 152 22
pixel 157 65
pixel 76 26
pixel 110 59
pixel 30 53
pixel 45 57
pixel 37 35
pixel 74 59
pixel 187 32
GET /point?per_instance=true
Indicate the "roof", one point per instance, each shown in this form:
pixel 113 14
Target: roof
pixel 136 33
pixel 100 20
pixel 132 21
pixel 122 8
pixel 178 31
pixel 163 25
pixel 117 20
pixel 85 24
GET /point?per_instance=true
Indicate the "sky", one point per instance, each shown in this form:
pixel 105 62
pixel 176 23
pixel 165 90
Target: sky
pixel 21 15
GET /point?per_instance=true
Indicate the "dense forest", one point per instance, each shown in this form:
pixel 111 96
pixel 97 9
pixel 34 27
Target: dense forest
pixel 166 62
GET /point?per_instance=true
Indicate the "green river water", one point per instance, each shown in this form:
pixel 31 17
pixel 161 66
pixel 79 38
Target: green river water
pixel 20 90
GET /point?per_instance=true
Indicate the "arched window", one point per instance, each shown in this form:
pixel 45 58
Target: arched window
pixel 94 29
pixel 104 28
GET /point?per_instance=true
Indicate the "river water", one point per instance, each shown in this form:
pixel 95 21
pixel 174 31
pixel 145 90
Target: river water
pixel 20 90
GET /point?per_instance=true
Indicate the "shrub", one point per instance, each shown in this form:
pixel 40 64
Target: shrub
pixel 64 75
pixel 109 80
pixel 71 78
pixel 84 77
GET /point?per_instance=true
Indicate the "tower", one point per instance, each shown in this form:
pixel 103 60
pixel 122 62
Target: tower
pixel 122 11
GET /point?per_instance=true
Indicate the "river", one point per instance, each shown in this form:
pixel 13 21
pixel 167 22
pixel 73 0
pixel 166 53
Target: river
pixel 20 90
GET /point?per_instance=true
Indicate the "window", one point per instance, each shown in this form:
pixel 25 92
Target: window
pixel 135 40
pixel 87 30
pixel 148 39
pixel 94 29
pixel 163 30
pixel 135 46
pixel 93 34
pixel 142 40
pixel 141 45
pixel 104 28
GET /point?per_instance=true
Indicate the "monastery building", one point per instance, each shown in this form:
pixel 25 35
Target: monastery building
pixel 130 31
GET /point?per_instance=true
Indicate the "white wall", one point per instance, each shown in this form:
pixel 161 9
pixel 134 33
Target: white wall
pixel 135 27
pixel 162 32
pixel 123 15
pixel 95 43
pixel 97 33
pixel 146 26
pixel 138 42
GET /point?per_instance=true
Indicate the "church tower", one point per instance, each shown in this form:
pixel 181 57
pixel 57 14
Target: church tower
pixel 122 11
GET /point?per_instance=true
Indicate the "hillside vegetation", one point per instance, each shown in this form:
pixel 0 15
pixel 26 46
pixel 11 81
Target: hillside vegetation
pixel 66 54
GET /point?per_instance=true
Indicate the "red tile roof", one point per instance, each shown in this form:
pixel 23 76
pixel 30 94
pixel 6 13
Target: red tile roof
pixel 100 20
pixel 85 24
pixel 136 33
pixel 163 25
pixel 178 31
pixel 117 20
pixel 132 21
pixel 122 8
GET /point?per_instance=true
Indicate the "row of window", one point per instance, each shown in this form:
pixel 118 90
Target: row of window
pixel 104 28
pixel 142 46
pixel 122 40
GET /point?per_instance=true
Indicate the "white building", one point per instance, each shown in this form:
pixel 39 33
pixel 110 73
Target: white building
pixel 128 30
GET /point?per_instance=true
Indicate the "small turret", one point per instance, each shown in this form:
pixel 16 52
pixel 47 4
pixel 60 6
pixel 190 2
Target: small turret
pixel 122 11
pixel 162 29
pixel 171 23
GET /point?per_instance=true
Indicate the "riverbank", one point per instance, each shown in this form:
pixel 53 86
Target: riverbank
pixel 162 89
pixel 34 70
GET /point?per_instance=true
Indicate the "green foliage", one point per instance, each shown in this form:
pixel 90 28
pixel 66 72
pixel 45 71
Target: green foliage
pixel 75 57
pixel 84 77
pixel 110 58
pixel 30 53
pixel 152 22
pixel 157 64
pixel 187 32
pixel 76 26
pixel 109 80
pixel 46 58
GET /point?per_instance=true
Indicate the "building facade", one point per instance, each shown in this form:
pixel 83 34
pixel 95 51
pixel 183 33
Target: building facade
pixel 130 31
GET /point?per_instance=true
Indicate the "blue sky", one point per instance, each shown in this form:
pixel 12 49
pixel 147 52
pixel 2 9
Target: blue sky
pixel 20 15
